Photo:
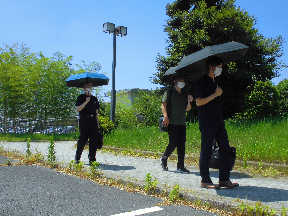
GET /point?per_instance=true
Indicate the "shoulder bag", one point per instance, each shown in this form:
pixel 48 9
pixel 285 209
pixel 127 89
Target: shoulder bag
pixel 214 162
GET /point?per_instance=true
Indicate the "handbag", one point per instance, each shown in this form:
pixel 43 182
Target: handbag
pixel 99 140
pixel 163 128
pixel 214 162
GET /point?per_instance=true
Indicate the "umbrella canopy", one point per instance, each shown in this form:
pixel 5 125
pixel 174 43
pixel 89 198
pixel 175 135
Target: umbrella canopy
pixel 80 80
pixel 170 74
pixel 193 66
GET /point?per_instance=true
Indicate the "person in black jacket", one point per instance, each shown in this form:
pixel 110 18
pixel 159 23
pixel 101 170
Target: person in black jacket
pixel 212 126
pixel 87 105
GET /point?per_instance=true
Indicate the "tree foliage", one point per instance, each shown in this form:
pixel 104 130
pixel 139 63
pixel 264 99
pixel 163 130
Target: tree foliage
pixel 149 104
pixel 282 89
pixel 146 103
pixel 33 86
pixel 193 25
pixel 125 116
pixel 262 100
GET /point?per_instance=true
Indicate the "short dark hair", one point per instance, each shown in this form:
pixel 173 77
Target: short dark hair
pixel 213 61
pixel 89 82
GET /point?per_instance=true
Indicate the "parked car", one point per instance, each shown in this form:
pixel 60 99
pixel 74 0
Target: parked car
pixel 69 129
pixel 49 130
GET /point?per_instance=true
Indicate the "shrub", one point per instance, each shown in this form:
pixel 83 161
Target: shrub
pixel 262 100
pixel 106 124
pixel 149 104
pixel 124 114
pixel 282 89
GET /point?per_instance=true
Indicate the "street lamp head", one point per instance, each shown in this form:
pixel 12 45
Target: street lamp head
pixel 121 30
pixel 108 27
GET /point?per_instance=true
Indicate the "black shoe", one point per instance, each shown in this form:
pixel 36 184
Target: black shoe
pixel 76 161
pixel 91 161
pixel 228 184
pixel 164 164
pixel 209 185
pixel 182 170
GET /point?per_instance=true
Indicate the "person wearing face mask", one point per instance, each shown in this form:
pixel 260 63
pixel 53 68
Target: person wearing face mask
pixel 212 126
pixel 87 105
pixel 175 119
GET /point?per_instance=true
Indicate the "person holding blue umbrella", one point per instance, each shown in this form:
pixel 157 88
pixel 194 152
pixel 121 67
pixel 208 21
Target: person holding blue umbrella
pixel 87 105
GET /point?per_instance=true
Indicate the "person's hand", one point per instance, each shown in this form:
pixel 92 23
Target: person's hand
pixel 190 98
pixel 166 121
pixel 219 91
pixel 87 100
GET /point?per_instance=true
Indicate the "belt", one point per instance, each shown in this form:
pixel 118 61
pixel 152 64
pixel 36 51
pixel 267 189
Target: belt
pixel 90 116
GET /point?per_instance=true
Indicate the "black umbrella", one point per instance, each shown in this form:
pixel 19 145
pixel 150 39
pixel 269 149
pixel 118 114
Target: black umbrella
pixel 80 80
pixel 170 74
pixel 193 66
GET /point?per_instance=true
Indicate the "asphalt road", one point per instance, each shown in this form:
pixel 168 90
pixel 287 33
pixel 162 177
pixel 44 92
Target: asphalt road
pixel 34 190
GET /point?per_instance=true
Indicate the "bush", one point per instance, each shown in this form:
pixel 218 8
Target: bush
pixel 149 104
pixel 106 124
pixel 262 100
pixel 124 113
pixel 282 89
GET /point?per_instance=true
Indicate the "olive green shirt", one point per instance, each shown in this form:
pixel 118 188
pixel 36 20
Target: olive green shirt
pixel 179 102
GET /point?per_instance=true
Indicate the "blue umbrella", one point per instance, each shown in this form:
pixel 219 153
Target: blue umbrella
pixel 80 80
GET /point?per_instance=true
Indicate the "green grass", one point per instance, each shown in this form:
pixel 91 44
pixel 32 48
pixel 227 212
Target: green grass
pixel 265 141
pixel 21 137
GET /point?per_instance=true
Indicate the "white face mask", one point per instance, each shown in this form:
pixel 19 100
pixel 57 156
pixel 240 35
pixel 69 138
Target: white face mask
pixel 218 71
pixel 89 90
pixel 181 84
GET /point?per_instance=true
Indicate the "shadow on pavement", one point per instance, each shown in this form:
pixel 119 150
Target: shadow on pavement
pixel 234 175
pixel 253 193
pixel 115 167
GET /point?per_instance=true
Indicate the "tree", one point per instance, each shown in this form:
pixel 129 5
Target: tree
pixel 124 113
pixel 282 89
pixel 262 100
pixel 12 86
pixel 52 98
pixel 32 86
pixel 148 103
pixel 193 25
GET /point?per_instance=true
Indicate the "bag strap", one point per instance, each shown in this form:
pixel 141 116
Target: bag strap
pixel 215 145
pixel 169 92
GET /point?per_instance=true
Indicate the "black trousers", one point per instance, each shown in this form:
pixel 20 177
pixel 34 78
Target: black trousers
pixel 208 134
pixel 88 128
pixel 177 139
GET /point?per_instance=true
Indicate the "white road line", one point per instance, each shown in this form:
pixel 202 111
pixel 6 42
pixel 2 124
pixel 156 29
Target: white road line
pixel 140 211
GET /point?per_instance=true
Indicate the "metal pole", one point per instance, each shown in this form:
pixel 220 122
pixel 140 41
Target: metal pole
pixel 113 92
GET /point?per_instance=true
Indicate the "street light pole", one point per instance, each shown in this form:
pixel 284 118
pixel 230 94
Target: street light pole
pixel 120 30
pixel 113 91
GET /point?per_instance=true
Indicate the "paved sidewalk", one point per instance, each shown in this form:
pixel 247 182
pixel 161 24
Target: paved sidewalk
pixel 270 191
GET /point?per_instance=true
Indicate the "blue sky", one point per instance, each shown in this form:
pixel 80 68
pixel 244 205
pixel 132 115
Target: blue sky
pixel 74 28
